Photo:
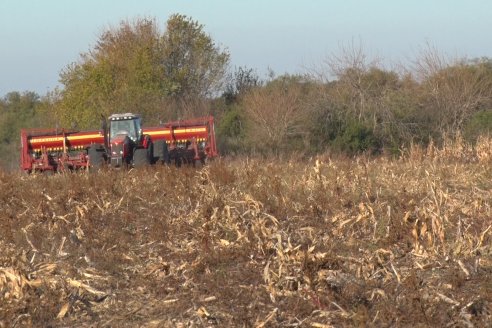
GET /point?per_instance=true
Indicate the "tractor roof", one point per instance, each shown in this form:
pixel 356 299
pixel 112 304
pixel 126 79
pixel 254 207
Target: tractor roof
pixel 126 116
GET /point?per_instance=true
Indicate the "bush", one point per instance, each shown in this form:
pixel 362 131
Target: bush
pixel 357 138
pixel 479 124
pixel 230 132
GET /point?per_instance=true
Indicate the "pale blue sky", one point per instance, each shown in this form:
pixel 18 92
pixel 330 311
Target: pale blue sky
pixel 40 37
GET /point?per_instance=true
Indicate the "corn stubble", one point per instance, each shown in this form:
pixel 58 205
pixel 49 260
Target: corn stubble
pixel 254 243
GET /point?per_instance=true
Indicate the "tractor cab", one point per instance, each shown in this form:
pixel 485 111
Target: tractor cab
pixel 122 125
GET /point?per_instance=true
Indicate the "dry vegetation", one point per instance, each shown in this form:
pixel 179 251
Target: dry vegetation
pixel 309 243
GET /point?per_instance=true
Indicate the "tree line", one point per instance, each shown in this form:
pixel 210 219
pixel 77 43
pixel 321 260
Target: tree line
pixel 349 103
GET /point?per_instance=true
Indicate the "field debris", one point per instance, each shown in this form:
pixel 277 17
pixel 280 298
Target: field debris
pixel 325 242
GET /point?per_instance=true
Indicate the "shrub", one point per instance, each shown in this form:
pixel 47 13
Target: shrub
pixel 357 138
pixel 479 124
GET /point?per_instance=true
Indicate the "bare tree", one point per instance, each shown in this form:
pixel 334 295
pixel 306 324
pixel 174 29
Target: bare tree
pixel 454 88
pixel 275 113
pixel 349 66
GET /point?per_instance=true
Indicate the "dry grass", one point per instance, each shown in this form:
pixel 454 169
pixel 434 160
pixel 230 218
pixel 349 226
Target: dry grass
pixel 253 243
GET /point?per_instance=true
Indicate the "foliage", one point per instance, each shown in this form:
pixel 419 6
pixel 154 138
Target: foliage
pixel 231 131
pixel 356 138
pixel 17 111
pixel 241 81
pixel 352 103
pixel 479 124
pixel 136 68
pixel 275 114
pixel 453 90
pixel 367 107
pixel 193 64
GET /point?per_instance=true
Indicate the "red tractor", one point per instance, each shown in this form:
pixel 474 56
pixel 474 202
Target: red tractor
pixel 124 143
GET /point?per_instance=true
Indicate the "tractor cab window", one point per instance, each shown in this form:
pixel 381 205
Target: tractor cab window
pixel 138 127
pixel 125 127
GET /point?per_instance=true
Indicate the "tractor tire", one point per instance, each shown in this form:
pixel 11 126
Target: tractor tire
pixel 96 158
pixel 199 163
pixel 141 157
pixel 161 153
pixel 158 150
pixel 178 160
pixel 150 152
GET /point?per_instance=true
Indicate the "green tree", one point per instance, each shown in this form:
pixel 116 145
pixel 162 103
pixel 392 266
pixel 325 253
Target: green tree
pixel 17 111
pixel 193 64
pixel 239 82
pixel 231 127
pixel 138 68
pixel 231 130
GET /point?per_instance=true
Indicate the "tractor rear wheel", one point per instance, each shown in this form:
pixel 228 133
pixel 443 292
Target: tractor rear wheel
pixel 161 153
pixel 141 157
pixel 199 163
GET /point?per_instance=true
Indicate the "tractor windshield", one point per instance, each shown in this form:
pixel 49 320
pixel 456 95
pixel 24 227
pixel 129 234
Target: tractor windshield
pixel 125 127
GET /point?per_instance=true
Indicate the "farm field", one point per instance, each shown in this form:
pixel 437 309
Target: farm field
pixel 321 242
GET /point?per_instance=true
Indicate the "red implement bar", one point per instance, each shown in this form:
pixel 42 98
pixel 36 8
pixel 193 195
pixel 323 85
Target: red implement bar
pixel 38 144
pixel 200 130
